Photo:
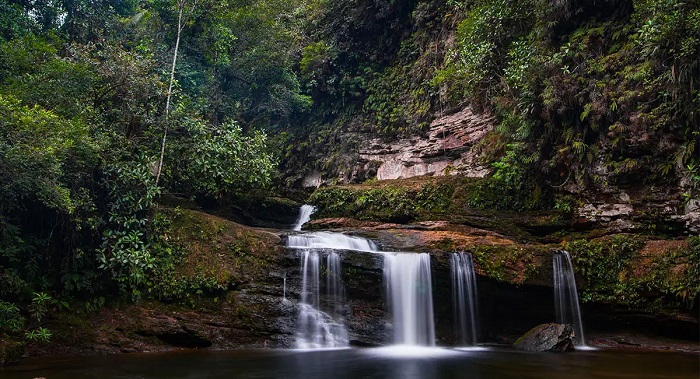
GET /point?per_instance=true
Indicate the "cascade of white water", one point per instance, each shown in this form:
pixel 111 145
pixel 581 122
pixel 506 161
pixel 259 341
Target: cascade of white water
pixel 409 289
pixel 326 240
pixel 407 278
pixel 565 295
pixel 304 216
pixel 318 329
pixel 464 298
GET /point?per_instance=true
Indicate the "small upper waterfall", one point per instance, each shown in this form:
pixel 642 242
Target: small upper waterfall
pixel 304 216
pixel 319 329
pixel 565 295
pixel 464 298
pixel 410 296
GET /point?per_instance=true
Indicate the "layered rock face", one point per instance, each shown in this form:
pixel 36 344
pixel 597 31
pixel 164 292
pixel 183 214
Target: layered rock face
pixel 448 148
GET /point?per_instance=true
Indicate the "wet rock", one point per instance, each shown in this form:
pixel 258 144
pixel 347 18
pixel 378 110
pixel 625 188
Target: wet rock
pixel 547 337
pixel 184 338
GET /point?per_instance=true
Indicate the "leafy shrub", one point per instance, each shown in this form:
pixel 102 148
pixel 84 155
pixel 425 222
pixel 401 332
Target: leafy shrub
pixel 129 235
pixel 39 334
pixel 11 320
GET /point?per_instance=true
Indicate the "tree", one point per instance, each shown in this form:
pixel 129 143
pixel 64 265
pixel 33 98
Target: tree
pixel 180 26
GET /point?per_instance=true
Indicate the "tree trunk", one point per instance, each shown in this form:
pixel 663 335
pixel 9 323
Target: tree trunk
pixel 180 26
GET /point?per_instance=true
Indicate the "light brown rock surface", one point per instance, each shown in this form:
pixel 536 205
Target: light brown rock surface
pixel 448 144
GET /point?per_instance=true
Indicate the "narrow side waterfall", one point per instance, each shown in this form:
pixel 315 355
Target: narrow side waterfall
pixel 319 329
pixel 304 216
pixel 410 297
pixel 464 298
pixel 565 295
pixel 335 291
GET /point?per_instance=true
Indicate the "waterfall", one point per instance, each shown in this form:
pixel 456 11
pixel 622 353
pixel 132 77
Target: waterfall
pixel 335 293
pixel 409 291
pixel 326 240
pixel 407 279
pixel 464 298
pixel 304 216
pixel 319 329
pixel 565 296
pixel 284 289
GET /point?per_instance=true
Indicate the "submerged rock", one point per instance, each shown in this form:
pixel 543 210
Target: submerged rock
pixel 547 337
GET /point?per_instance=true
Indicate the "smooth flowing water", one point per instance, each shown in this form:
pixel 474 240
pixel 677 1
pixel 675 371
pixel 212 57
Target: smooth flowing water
pixel 362 363
pixel 565 295
pixel 464 299
pixel 327 240
pixel 317 328
pixel 407 279
pixel 410 296
pixel 305 213
pixel 335 291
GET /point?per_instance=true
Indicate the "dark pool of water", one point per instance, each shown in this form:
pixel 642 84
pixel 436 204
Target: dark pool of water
pixel 364 363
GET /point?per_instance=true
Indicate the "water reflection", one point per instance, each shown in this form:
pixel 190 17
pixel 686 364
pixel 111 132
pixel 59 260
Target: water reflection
pixel 364 363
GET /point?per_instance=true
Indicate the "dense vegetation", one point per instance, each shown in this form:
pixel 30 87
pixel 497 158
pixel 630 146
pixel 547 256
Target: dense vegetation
pixel 83 92
pixel 578 88
pixel 591 93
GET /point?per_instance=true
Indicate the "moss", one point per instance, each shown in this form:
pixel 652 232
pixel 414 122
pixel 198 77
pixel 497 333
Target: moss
pixel 636 272
pixel 456 199
pixel 391 201
pixel 514 264
pixel 212 256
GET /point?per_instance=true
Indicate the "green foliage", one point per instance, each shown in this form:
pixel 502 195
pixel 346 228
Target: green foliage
pixel 399 106
pixel 601 263
pixel 36 146
pixel 478 60
pixel 95 304
pixel 614 271
pixel 217 160
pixel 131 238
pixel 39 334
pixel 314 57
pixel 11 321
pixel 510 187
pixel 13 21
pixel 511 264
pixel 39 306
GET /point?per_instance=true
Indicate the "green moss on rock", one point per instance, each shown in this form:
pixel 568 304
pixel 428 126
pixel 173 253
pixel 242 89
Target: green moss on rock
pixel 514 264
pixel 212 255
pixel 637 272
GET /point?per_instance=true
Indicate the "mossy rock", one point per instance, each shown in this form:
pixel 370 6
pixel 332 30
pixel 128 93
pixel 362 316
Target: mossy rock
pixel 637 271
pixel 457 199
pixel 11 351
pixel 258 210
pixel 214 255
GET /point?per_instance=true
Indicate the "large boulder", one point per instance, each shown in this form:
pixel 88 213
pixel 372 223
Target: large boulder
pixel 547 337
